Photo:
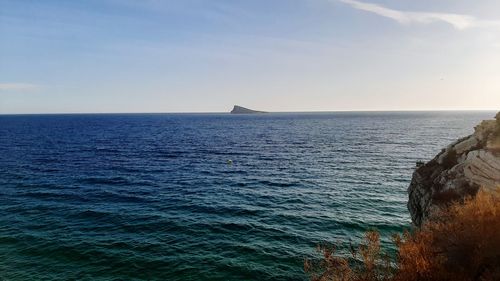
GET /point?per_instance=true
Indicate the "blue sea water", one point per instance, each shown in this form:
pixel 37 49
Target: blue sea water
pixel 154 197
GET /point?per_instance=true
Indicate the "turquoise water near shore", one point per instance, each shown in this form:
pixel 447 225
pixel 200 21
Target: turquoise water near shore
pixel 154 197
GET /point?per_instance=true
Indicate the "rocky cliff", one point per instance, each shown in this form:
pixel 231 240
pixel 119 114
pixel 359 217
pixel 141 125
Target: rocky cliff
pixel 458 170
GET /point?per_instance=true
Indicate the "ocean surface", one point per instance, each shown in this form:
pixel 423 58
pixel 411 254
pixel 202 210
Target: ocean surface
pixel 204 196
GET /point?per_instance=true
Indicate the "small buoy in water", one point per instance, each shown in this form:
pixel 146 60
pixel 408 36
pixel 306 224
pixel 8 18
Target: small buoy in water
pixel 230 162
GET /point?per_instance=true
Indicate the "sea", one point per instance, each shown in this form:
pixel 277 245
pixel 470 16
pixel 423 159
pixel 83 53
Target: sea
pixel 205 196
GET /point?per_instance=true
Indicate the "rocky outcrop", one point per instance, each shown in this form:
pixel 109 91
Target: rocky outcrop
pixel 457 171
pixel 242 110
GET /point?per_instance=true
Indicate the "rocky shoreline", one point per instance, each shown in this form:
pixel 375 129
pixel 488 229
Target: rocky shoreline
pixel 458 171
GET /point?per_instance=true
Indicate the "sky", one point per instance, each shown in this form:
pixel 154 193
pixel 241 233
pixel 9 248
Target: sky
pixel 274 55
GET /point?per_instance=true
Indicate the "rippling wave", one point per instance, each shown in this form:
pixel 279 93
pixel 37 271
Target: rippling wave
pixel 154 197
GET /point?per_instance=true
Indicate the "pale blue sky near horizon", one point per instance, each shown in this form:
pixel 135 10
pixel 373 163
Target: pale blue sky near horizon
pixel 274 55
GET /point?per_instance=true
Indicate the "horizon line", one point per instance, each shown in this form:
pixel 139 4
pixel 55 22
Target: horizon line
pixel 267 112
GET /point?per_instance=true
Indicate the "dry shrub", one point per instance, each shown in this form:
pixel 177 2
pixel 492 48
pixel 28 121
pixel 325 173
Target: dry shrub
pixel 461 242
pixel 366 262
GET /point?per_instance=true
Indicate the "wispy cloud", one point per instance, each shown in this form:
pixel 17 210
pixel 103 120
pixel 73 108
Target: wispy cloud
pixel 458 21
pixel 18 87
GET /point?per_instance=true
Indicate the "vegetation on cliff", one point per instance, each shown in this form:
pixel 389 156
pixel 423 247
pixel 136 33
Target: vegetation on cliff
pixel 454 201
pixel 457 171
pixel 459 242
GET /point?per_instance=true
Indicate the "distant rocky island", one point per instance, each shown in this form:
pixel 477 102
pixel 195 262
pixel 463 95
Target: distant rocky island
pixel 242 110
pixel 459 170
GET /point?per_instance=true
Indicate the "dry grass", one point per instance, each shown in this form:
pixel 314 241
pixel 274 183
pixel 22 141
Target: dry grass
pixel 461 243
pixel 370 262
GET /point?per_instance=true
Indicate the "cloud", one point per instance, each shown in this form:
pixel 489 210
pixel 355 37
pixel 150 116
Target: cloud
pixel 458 21
pixel 18 87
